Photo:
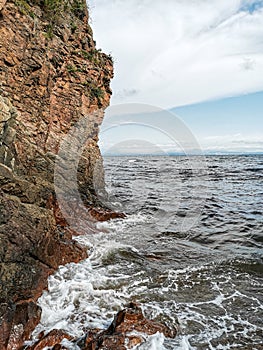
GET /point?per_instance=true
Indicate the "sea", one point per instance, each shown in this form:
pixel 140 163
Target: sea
pixel 189 251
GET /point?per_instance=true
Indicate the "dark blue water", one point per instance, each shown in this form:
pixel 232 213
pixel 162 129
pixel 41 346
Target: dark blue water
pixel 212 270
pixel 190 251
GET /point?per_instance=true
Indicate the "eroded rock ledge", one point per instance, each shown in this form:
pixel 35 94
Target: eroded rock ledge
pixel 51 75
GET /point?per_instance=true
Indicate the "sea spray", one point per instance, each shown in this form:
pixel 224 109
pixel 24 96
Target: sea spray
pixel 210 278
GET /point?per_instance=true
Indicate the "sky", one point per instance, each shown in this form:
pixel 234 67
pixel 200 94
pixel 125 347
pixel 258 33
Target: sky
pixel 227 125
pixel 200 59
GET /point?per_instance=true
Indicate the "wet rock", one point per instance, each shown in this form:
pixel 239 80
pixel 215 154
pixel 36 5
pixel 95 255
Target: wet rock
pixel 100 214
pixel 52 339
pixel 128 329
pixel 18 321
pixel 82 216
pixel 30 250
pixel 131 319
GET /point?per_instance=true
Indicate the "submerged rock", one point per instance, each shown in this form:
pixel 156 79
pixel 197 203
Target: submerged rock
pixel 52 339
pixel 101 214
pixel 128 329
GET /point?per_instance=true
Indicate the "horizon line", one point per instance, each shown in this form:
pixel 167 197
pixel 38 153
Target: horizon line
pixel 233 153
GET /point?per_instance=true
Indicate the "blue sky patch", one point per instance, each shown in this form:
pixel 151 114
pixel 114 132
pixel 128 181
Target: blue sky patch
pixel 252 6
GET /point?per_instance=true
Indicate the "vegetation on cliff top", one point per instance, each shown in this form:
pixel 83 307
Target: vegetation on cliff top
pixel 54 14
pixel 53 9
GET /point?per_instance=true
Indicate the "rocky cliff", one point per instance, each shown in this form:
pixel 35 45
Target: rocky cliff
pixel 51 76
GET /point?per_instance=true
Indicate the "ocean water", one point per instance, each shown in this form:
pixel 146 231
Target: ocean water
pixel 189 251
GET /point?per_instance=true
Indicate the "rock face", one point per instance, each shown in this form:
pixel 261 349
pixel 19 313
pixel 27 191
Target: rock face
pixel 51 76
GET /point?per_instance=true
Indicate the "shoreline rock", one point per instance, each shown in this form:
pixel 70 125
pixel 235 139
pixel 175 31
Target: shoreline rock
pixel 127 330
pixel 51 76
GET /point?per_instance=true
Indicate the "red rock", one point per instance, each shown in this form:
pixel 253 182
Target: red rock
pixel 24 318
pixel 51 76
pixel 100 214
pixel 53 338
pixel 116 337
pixel 132 318
pixel 118 334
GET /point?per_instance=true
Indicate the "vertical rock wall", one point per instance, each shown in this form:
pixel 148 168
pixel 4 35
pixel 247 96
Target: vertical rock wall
pixel 51 75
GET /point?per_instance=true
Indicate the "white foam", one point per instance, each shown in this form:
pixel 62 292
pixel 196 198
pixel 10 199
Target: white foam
pixel 79 295
pixel 119 225
pixel 153 342
pixel 69 345
pixel 184 344
pixel 90 293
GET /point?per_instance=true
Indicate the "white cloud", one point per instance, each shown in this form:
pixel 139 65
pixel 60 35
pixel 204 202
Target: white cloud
pixel 233 143
pixel 175 52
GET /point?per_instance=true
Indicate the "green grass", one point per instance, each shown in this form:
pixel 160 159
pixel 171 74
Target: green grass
pixel 96 92
pixel 25 8
pixel 53 10
pixel 71 68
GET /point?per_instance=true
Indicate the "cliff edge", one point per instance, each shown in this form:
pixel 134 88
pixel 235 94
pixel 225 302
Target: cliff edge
pixel 51 76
